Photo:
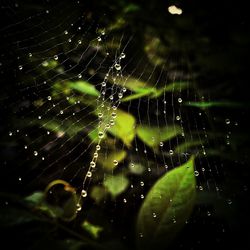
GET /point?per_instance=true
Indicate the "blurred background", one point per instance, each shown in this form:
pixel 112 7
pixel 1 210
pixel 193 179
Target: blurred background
pixel 186 59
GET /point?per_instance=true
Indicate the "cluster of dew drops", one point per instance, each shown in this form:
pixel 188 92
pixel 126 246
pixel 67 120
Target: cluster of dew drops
pixel 105 121
pixel 101 133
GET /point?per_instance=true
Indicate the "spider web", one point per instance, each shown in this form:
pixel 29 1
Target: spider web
pixel 77 85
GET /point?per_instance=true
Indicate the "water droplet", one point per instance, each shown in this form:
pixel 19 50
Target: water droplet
pixel 79 76
pixel 124 89
pixel 115 162
pixel 92 164
pixel 178 117
pixel 113 115
pixel 112 122
pixel 227 121
pixel 79 42
pixel 120 95
pixel 100 134
pixel 179 100
pixel 118 66
pixel 20 179
pixel 56 57
pixel 142 183
pixel 30 54
pixel 103 84
pixel 89 174
pixel 95 155
pixel 98 147
pixel 25 147
pixel 39 117
pixel 35 153
pixel 123 55
pixel 229 202
pixel 61 112
pixel 45 64
pixel 103 33
pixel 20 67
pixel 100 115
pixel 111 97
pixel 84 193
pixel 196 173
pixel 99 39
pixel 66 32
pixel 49 98
pixel 154 215
pixel 124 200
pixel 171 152
pixel 10 133
pixel 142 196
pixel 161 144
pixel 78 207
pixel 208 213
pixel 69 40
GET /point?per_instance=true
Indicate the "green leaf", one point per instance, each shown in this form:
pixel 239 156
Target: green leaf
pixel 68 127
pixel 183 147
pixel 52 211
pixel 142 89
pixel 137 96
pixel 136 168
pixel 107 161
pixel 124 127
pixel 131 8
pixel 177 86
pixel 98 193
pixel 152 136
pixel 84 87
pixel 35 198
pixel 204 105
pixel 135 85
pixel 50 64
pixel 166 207
pixel 116 184
pixel 93 230
pixel 172 87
